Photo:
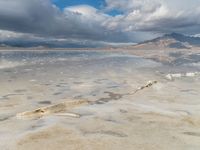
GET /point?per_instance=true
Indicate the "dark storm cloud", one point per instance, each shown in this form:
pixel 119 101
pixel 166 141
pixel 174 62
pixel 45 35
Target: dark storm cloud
pixel 42 18
pixel 139 20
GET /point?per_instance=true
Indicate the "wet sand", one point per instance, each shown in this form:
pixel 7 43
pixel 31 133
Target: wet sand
pixel 163 116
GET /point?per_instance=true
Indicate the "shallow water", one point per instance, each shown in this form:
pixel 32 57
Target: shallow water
pixel 168 110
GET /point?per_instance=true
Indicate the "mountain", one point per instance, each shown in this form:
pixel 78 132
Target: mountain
pixel 48 44
pixel 170 41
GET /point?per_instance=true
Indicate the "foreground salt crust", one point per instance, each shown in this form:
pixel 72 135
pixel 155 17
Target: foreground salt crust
pixel 159 116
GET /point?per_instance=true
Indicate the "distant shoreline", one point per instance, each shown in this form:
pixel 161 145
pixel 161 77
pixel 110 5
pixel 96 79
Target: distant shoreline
pixel 159 55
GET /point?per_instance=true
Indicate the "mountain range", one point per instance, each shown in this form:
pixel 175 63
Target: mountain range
pixel 170 41
pixel 167 41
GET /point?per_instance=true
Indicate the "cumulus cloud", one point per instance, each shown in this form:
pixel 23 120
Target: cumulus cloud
pixel 155 15
pixel 139 20
pixel 42 18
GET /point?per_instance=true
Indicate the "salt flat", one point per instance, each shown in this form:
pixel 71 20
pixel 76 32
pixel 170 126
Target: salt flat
pixel 163 116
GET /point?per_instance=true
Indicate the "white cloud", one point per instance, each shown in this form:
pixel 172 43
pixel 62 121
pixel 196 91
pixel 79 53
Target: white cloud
pixel 155 15
pixel 4 35
pixel 85 10
pixel 42 18
pixel 139 20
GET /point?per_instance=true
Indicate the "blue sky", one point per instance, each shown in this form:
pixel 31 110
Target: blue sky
pixel 64 3
pixel 99 4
